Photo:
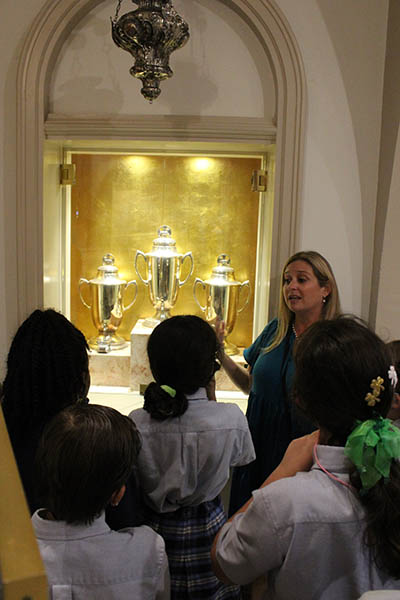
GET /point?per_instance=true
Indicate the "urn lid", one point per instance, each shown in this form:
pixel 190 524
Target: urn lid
pixel 107 273
pixel 223 273
pixel 164 244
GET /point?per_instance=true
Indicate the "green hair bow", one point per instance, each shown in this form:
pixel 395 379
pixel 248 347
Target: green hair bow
pixel 371 447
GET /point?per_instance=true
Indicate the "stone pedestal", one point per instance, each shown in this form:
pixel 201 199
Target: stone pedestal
pixel 113 369
pixel 140 368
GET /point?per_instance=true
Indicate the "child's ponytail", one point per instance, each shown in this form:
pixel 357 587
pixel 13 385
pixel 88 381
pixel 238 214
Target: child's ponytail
pixel 163 402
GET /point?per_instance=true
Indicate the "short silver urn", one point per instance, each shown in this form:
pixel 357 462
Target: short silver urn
pixel 222 293
pixel 107 308
pixel 163 266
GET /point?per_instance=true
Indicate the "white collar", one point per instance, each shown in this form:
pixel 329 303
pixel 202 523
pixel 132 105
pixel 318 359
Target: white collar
pixel 199 394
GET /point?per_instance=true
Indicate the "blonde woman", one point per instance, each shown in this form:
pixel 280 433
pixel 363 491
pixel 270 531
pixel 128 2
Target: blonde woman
pixel 309 293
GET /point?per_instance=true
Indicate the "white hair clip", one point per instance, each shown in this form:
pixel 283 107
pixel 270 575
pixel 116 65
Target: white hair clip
pixel 393 376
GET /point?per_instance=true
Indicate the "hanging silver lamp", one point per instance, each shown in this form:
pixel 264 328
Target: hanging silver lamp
pixel 150 33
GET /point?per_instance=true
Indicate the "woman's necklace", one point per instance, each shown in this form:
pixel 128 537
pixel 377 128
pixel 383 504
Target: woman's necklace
pixel 294 331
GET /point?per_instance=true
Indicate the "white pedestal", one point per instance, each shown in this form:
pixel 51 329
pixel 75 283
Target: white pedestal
pixel 140 368
pixel 113 369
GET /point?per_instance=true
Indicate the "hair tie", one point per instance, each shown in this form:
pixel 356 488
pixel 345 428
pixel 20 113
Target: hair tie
pixel 371 447
pixel 169 390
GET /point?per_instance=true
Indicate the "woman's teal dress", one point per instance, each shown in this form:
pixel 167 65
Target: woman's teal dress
pixel 274 420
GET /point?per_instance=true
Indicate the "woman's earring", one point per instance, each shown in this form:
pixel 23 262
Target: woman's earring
pixel 323 299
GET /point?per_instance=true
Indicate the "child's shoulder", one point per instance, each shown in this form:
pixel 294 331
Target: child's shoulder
pixel 142 533
pixel 225 415
pixel 202 415
pixel 151 544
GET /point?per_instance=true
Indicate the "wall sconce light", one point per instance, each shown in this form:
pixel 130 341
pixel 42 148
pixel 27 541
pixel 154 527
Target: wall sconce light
pixel 150 33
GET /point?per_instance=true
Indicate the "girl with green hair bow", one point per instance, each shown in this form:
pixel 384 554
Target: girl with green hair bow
pixel 346 383
pixel 326 523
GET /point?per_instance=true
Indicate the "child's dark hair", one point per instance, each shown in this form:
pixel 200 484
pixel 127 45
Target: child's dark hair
pixel 394 348
pixel 182 353
pixel 336 361
pixel 86 453
pixel 47 369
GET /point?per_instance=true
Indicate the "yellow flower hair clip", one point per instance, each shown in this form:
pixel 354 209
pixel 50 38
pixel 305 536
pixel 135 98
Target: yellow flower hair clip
pixel 377 387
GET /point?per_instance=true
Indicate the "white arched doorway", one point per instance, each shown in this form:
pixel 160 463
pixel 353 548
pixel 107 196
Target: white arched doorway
pixel 50 29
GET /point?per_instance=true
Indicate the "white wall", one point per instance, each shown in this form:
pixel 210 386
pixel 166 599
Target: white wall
pixel 343 48
pixel 388 314
pixel 218 72
pixel 16 19
pixel 386 282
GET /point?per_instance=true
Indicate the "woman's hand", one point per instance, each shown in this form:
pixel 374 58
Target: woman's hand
pixel 298 457
pixel 220 330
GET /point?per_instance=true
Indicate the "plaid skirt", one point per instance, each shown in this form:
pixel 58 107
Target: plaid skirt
pixel 188 534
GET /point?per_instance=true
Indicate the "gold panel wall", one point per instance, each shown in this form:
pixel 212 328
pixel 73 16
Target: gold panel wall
pixel 118 203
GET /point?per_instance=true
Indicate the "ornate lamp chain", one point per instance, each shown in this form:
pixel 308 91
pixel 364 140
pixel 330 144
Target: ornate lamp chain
pixel 118 9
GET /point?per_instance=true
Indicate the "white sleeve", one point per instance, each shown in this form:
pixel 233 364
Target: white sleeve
pixel 244 448
pixel 248 547
pixel 163 591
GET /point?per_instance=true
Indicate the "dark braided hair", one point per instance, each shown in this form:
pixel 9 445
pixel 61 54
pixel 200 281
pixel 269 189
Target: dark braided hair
pixel 47 370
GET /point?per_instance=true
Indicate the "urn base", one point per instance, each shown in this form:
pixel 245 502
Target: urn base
pixel 106 342
pixel 230 349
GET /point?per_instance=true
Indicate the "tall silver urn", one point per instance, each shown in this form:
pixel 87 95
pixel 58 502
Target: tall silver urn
pixel 163 266
pixel 222 294
pixel 107 308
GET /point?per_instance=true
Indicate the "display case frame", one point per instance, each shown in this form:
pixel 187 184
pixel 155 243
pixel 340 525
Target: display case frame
pixel 56 211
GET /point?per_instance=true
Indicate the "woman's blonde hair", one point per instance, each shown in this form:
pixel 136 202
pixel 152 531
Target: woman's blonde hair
pixel 323 272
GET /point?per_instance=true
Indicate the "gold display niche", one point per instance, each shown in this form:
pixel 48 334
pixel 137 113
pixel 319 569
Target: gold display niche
pixel 121 197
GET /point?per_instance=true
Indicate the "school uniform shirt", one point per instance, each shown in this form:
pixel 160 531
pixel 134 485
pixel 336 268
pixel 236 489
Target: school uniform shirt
pixel 381 595
pixel 305 534
pixel 185 460
pixel 92 562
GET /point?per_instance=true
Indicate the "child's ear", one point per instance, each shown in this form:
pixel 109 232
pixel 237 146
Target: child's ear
pixel 117 496
pixel 394 412
pixel 396 401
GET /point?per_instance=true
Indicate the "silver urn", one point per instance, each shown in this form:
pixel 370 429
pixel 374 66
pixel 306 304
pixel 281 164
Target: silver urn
pixel 163 267
pixel 222 293
pixel 107 308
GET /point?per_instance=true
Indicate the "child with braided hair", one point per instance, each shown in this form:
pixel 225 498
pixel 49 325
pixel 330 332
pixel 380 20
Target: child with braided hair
pixel 48 370
pixel 326 522
pixel 189 443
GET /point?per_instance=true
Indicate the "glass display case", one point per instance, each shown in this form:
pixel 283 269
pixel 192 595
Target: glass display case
pixel 116 207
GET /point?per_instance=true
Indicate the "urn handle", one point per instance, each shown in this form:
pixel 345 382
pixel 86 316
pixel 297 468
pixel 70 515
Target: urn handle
pixel 146 260
pixel 187 255
pixel 81 281
pixel 201 282
pixel 245 284
pixel 133 282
